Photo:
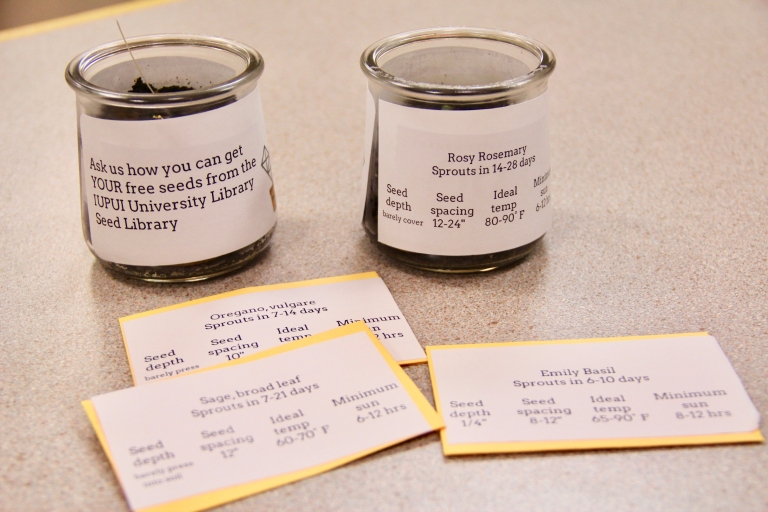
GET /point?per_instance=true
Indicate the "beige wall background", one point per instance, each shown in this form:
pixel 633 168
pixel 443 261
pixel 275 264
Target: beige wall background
pixel 15 13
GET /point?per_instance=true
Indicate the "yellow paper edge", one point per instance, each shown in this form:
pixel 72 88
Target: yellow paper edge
pixel 221 496
pixel 562 342
pixel 242 291
pixel 434 419
pixel 593 444
pixel 253 289
pixel 407 362
pixel 580 444
pixel 78 18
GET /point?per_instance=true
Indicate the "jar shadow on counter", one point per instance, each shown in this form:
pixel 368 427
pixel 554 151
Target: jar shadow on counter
pixel 102 275
pixel 200 270
pixel 538 252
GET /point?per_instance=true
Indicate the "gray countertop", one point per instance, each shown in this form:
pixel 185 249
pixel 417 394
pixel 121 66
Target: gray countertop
pixel 659 137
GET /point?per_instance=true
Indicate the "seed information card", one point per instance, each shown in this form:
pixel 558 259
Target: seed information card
pixel 594 393
pixel 177 339
pixel 270 418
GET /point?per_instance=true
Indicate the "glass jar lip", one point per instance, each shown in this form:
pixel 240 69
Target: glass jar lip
pixel 74 74
pixel 369 62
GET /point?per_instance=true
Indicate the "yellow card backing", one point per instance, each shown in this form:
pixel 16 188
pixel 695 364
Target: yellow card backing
pixel 576 444
pixel 221 496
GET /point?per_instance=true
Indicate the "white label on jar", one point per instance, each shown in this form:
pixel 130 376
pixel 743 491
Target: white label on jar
pixel 463 182
pixel 180 190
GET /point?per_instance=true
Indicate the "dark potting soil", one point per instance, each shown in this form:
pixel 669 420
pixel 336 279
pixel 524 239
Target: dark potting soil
pixel 140 86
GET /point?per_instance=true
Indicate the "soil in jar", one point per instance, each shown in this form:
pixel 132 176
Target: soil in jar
pixel 141 87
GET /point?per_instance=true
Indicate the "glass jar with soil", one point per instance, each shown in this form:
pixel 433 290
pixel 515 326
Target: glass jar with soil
pixel 175 176
pixel 457 151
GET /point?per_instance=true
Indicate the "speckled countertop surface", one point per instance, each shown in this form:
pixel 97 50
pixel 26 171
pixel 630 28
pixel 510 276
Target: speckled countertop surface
pixel 659 136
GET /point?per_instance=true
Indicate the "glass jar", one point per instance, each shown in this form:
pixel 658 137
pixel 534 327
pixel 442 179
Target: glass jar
pixel 457 147
pixel 175 176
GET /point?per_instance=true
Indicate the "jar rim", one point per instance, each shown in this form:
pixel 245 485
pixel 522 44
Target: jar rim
pixel 369 62
pixel 75 72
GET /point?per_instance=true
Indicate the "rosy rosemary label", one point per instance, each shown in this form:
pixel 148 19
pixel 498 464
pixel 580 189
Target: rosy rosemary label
pixel 179 190
pixel 298 410
pixel 585 394
pixel 463 182
pixel 177 339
